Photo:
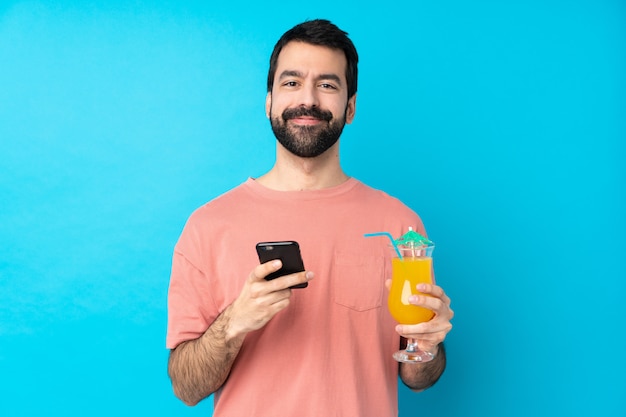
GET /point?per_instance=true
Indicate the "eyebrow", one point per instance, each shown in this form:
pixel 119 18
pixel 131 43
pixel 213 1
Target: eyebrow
pixel 299 74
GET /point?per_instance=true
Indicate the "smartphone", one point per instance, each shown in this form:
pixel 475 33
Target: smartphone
pixel 289 254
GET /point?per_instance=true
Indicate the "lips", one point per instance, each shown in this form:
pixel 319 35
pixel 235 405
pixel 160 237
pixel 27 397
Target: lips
pixel 305 120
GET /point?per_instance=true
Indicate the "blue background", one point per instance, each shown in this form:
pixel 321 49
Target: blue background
pixel 117 119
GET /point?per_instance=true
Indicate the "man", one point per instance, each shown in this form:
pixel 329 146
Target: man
pixel 265 349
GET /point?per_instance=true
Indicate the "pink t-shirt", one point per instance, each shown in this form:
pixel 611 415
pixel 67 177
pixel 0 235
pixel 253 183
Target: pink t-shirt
pixel 329 352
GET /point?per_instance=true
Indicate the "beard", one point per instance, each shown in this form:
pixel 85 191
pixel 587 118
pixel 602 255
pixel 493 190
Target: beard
pixel 307 141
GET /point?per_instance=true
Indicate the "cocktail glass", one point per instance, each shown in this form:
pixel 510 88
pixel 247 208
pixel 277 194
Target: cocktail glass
pixel 412 268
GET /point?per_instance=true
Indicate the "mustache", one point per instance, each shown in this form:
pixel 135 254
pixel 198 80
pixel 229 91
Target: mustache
pixel 315 112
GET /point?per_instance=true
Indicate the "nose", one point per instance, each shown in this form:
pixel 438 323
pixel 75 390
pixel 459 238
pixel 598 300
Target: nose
pixel 308 96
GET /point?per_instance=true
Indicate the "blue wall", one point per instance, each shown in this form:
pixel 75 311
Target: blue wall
pixel 117 119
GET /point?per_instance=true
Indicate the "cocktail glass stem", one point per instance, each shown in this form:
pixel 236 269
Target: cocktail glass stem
pixel 412 353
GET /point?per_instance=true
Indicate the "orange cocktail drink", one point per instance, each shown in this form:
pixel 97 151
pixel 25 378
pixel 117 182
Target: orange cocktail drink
pixel 406 274
pixel 412 265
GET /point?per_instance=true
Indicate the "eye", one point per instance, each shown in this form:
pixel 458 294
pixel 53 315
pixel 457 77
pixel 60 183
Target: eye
pixel 290 84
pixel 328 86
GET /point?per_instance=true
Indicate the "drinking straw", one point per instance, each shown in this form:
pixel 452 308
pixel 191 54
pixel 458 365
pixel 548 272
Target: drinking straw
pixel 393 243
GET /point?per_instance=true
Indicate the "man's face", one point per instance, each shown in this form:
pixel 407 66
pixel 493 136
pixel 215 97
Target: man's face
pixel 308 105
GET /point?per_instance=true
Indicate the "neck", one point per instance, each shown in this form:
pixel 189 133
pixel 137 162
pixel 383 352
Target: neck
pixel 292 173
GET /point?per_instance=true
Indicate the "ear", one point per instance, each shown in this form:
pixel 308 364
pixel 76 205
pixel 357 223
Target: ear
pixel 268 104
pixel 351 109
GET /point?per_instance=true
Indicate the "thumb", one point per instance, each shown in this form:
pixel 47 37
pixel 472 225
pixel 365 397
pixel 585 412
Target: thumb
pixel 261 271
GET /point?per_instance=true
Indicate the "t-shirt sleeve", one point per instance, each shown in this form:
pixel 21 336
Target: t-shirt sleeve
pixel 191 309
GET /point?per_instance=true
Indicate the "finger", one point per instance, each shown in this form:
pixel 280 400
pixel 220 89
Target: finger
pixel 290 280
pixel 428 345
pixel 429 302
pixel 427 342
pixel 259 273
pixel 388 284
pixel 431 289
pixel 434 291
pixel 281 303
pixel 434 328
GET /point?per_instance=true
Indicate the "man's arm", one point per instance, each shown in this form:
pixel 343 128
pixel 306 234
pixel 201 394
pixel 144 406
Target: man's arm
pixel 200 367
pixel 420 376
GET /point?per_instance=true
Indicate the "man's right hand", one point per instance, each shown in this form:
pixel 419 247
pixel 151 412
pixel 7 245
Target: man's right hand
pixel 200 366
pixel 260 300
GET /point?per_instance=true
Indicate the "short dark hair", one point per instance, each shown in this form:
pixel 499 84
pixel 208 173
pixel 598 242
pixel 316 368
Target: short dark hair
pixel 322 33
